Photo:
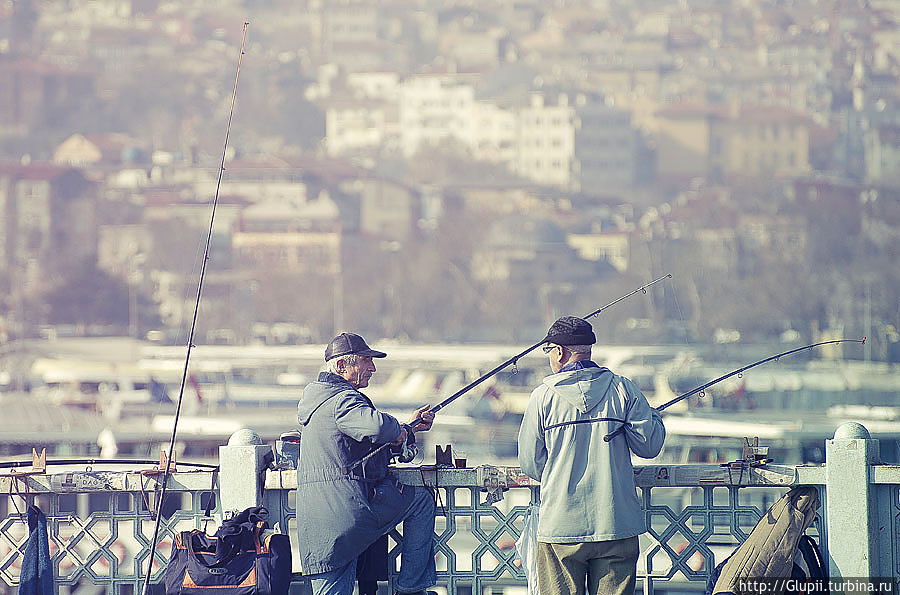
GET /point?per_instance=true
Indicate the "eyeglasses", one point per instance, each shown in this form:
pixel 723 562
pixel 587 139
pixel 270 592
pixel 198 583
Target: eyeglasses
pixel 548 348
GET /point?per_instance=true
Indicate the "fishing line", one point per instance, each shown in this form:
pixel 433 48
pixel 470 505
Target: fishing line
pixel 190 343
pixel 739 371
pixel 687 359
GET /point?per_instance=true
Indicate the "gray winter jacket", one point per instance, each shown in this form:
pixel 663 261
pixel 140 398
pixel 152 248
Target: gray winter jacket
pixel 587 485
pixel 343 507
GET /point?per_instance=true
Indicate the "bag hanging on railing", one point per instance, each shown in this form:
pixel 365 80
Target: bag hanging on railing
pixel 770 549
pixel 527 546
pixel 808 569
pixel 241 559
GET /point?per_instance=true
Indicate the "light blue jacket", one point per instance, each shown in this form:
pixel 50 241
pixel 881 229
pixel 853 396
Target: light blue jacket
pixel 587 485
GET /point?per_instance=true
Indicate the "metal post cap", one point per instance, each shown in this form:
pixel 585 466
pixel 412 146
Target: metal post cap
pixel 245 437
pixel 852 430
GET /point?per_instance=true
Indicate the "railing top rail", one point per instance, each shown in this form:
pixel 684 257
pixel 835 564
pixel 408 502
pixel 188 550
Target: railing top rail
pixel 646 476
pixel 85 481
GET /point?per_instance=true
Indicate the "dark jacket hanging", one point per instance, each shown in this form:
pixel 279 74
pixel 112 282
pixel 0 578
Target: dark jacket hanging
pixel 37 571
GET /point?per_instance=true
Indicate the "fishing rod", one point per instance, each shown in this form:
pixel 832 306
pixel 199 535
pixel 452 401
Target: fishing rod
pixel 190 343
pixel 739 371
pixel 513 360
pixel 93 462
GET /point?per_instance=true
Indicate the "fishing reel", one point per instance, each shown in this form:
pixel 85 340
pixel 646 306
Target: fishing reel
pixel 407 451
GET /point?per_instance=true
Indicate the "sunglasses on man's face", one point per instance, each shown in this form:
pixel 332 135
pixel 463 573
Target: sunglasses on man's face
pixel 548 348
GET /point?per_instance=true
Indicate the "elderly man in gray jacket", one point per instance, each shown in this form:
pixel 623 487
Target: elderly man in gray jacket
pixel 343 505
pixel 590 515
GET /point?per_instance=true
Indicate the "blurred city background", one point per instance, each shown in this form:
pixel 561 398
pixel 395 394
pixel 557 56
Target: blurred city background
pixel 452 171
pixel 455 173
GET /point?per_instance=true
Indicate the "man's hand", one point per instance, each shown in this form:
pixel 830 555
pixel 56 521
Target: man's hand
pixel 426 416
pixel 401 439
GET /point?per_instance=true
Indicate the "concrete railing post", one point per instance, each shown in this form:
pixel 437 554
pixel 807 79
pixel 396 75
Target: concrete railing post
pixel 850 507
pixel 241 464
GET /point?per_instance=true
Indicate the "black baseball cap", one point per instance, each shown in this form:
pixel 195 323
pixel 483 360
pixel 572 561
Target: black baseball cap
pixel 570 330
pixel 350 344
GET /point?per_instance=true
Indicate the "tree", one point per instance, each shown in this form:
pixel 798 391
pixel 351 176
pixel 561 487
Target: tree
pixel 88 295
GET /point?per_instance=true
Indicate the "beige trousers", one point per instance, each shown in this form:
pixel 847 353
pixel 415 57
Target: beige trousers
pixel 603 567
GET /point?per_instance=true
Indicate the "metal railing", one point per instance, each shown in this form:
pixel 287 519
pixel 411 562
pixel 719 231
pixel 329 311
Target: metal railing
pixel 695 514
pixel 100 523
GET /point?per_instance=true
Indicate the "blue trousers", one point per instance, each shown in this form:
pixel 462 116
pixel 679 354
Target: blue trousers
pixel 417 569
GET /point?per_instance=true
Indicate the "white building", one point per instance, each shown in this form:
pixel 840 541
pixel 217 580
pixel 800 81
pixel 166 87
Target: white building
pixel 352 126
pixel 375 85
pixel 495 134
pixel 436 110
pixel 546 141
pixel 612 247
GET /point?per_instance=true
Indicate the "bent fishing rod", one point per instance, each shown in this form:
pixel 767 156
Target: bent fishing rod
pixel 513 360
pixel 737 372
pixel 190 343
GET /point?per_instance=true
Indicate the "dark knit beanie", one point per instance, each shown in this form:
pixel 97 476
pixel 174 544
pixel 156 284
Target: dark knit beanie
pixel 570 330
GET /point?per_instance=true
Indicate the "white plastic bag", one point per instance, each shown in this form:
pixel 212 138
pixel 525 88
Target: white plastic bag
pixel 526 546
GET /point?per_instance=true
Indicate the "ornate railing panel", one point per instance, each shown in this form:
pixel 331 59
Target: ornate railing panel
pixel 695 514
pixel 100 524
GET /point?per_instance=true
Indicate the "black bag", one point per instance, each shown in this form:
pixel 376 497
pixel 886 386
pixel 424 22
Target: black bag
pixel 241 559
pixel 809 565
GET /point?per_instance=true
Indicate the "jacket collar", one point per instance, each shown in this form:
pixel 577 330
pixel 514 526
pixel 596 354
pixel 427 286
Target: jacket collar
pixel 580 365
pixel 332 378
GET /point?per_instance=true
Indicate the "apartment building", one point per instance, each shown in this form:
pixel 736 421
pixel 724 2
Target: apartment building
pixel 546 150
pixel 31 90
pixel 613 247
pixel 382 85
pixel 720 141
pixel 289 236
pixel 761 141
pixel 436 110
pixel 47 221
pixel 345 22
pixel 495 134
pixel 605 147
pixel 358 125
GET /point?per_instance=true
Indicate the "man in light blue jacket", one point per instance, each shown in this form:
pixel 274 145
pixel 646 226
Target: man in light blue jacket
pixel 590 515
